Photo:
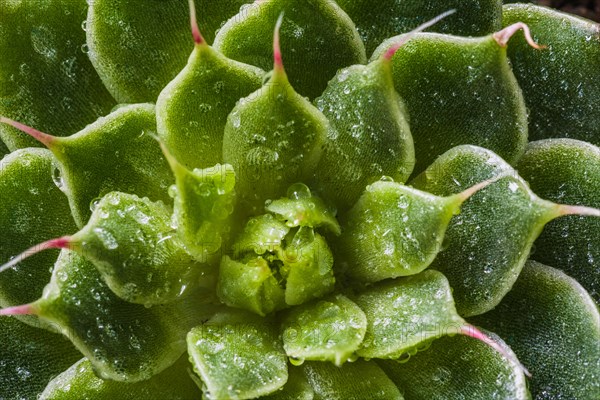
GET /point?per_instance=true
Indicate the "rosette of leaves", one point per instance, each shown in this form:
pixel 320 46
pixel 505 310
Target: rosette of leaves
pixel 251 208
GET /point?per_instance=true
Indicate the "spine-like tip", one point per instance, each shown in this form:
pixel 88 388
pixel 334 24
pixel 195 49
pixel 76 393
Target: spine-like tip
pixel 277 58
pixel 198 38
pixel 473 332
pixel 564 210
pixel 43 138
pixel 58 243
pixel 502 37
pixel 389 54
pixel 466 194
pixel 175 165
pixel 25 309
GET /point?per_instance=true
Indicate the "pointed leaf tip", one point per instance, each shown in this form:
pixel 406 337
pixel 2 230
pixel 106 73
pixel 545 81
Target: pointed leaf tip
pixel 198 38
pixel 25 309
pixel 466 194
pixel 58 243
pixel 473 332
pixel 502 37
pixel 42 137
pixel 564 210
pixel 277 58
pixel 408 36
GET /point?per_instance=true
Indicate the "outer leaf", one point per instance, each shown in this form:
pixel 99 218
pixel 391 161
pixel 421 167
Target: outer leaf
pixel 377 21
pixel 442 76
pixel 80 382
pixel 331 329
pixel 354 381
pixel 46 80
pixel 238 356
pixel 116 153
pixel 318 37
pixel 562 83
pixel 553 326
pixel 123 341
pixel 393 230
pixel 33 210
pixel 369 135
pixel 488 243
pixel 139 46
pixel 192 110
pixel 568 171
pixel 405 313
pixel 296 387
pixel 458 367
pixel 29 358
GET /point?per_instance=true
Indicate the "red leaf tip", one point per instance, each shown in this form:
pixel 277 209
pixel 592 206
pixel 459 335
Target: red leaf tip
pixel 277 58
pixel 25 309
pixel 198 38
pixel 58 243
pixel 502 37
pixel 41 137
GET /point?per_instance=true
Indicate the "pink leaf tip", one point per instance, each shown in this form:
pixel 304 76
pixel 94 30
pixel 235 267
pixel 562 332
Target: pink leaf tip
pixel 409 35
pixel 198 38
pixel 58 243
pixel 41 137
pixel 277 58
pixel 25 309
pixel 502 37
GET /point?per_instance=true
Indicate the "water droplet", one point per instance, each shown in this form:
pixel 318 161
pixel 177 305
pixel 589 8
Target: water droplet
pixel 57 177
pixel 296 361
pixel 298 191
pixel 84 25
pixel 85 48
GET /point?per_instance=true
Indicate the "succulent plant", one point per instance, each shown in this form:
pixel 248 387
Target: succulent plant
pixel 367 220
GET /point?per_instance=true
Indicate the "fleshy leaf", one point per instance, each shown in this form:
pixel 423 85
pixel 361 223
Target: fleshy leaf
pixel 331 329
pixel 458 367
pixel 369 135
pixel 352 381
pixel 123 341
pixel 133 245
pixel 406 313
pixel 383 19
pixel 553 326
pixel 273 137
pixel 80 382
pixel 238 356
pixel 394 230
pixel 567 171
pixel 3 149
pixel 319 40
pixel 441 76
pixel 30 357
pixel 46 79
pixel 488 243
pixel 561 84
pixel 139 46
pixel 261 234
pixel 192 110
pixel 301 208
pixel 33 209
pixel 115 153
pixel 204 203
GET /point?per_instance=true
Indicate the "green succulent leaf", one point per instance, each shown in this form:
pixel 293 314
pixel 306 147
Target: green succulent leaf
pixel 46 80
pixel 238 356
pixel 191 112
pixel 204 203
pixel 139 46
pixel 80 382
pixel 331 329
pixel 440 77
pixel 33 210
pixel 562 83
pixel 458 367
pixel 319 39
pixel 296 387
pixel 488 243
pixel 378 21
pixel 272 139
pixel 30 358
pixel 353 381
pixel 394 230
pixel 123 341
pixel 406 313
pixel 133 245
pixel 553 326
pixel 3 149
pixel 567 171
pixel 369 135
